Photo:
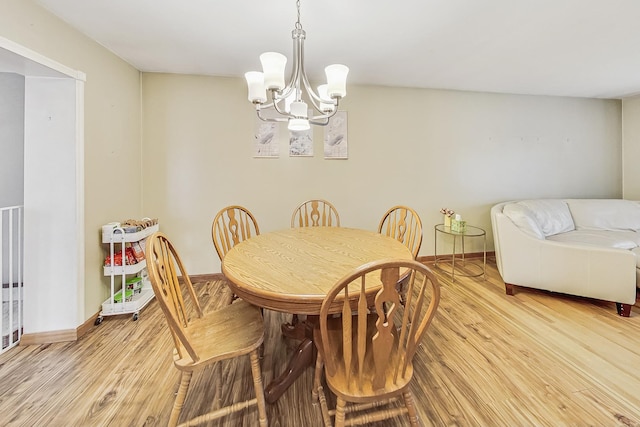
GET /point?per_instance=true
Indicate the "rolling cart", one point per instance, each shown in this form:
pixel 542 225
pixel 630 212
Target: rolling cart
pixel 133 292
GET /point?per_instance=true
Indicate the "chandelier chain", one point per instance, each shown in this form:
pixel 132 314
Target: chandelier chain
pixel 298 24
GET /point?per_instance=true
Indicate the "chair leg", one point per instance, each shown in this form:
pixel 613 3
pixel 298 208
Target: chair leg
pixel 317 376
pixel 185 380
pixel 257 384
pixel 340 409
pixel 411 407
pixel 317 394
pixel 324 408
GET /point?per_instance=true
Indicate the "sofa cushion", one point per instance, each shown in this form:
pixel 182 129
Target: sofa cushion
pixel 606 214
pixel 552 215
pixel 524 219
pixel 602 238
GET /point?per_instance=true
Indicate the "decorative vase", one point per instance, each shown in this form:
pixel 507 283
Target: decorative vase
pixel 447 221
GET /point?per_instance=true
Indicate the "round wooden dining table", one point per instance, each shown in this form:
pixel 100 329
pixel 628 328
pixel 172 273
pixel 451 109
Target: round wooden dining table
pixel 292 270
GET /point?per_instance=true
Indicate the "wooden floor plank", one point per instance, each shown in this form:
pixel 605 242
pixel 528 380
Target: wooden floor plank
pixel 489 359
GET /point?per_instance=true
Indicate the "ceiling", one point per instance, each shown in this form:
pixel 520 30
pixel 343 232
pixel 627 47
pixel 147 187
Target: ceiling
pixel 581 48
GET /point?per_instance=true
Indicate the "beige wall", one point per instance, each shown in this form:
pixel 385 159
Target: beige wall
pixel 424 148
pixel 631 148
pixel 112 126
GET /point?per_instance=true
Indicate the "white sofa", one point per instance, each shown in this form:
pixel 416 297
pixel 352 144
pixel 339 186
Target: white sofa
pixel 584 247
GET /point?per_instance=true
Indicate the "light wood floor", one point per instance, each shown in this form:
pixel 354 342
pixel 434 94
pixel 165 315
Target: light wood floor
pixel 534 359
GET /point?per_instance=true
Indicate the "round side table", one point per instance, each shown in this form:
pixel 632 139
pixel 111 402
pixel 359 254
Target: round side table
pixel 441 230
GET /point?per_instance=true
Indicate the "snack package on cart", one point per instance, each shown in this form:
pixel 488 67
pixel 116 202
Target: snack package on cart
pixel 117 258
pixel 138 251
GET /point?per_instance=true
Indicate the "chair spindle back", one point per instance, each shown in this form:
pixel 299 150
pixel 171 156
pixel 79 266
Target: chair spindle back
pixel 162 260
pixel 231 226
pixel 314 213
pixel 403 224
pixel 379 336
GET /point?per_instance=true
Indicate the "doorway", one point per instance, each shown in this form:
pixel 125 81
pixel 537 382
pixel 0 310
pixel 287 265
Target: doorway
pixel 53 189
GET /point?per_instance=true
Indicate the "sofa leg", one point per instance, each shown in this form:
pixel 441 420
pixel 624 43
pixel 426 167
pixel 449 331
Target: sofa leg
pixel 508 287
pixel 624 310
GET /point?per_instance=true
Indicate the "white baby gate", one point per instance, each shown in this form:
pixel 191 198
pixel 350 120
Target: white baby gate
pixel 11 250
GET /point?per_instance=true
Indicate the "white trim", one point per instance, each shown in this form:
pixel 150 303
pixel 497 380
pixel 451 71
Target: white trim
pixel 41 60
pixel 80 221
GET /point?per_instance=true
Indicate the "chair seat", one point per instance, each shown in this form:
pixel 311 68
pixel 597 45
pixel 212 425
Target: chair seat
pixel 233 330
pixel 362 391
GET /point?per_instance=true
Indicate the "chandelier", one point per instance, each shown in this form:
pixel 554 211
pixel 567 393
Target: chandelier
pixel 287 99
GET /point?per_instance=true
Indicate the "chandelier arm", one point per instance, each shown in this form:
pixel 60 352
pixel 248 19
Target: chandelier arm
pixel 273 103
pixel 298 36
pixel 284 93
pixel 317 107
pixel 264 105
pixel 326 116
pixel 313 97
pixel 271 119
pixel 312 94
pixel 278 109
pixel 322 123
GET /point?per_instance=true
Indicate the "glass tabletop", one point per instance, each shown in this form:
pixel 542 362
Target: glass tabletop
pixel 470 230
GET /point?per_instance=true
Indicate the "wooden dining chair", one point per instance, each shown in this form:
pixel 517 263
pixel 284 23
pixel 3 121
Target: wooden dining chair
pixel 367 352
pixel 312 213
pixel 230 226
pixel 199 338
pixel 403 224
pixel 315 212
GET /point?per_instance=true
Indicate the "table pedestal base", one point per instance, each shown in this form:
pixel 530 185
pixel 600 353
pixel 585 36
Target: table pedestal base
pixel 296 329
pixel 302 358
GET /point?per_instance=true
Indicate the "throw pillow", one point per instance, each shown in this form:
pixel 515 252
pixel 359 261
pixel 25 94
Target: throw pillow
pixel 552 215
pixel 524 219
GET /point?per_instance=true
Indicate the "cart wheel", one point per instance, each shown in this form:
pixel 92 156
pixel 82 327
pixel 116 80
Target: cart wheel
pixel 98 320
pixel 135 316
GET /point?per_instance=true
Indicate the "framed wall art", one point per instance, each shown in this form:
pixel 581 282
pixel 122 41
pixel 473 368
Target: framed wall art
pixel 335 137
pixel 266 137
pixel 301 143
